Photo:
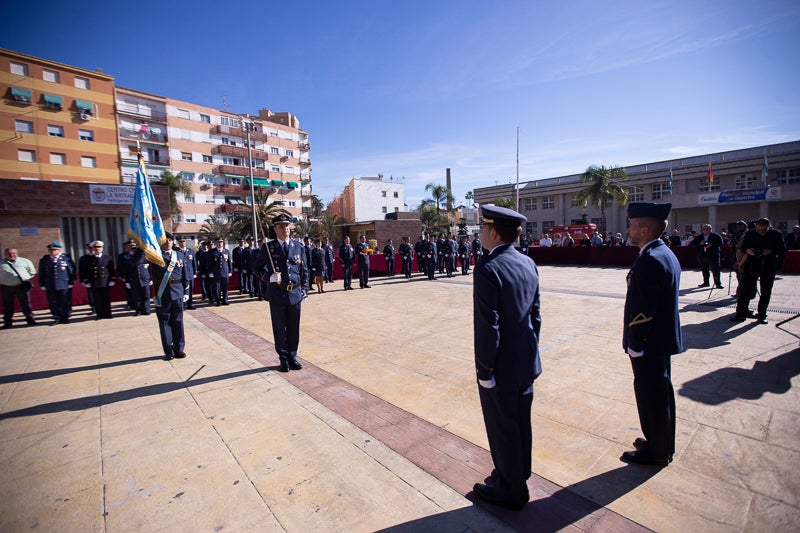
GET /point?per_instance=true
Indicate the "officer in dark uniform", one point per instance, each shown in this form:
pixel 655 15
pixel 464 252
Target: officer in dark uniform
pixel 406 256
pixel 170 297
pixel 247 260
pixel 330 258
pixel 202 271
pixel 219 260
pixel 97 274
pixel 308 246
pixel 56 276
pixel 449 255
pixel 477 248
pixel 138 281
pixel 652 332
pixel 708 246
pixel 283 261
pixel 258 285
pixel 123 266
pixel 464 253
pixel 237 256
pixel 429 253
pixel 388 254
pixel 419 246
pixel 507 323
pixel 440 240
pixel 363 262
pixel 190 266
pixel 347 256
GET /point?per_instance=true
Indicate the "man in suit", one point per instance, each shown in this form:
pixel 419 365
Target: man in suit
pixel 283 261
pixel 363 262
pixel 652 332
pixel 507 324
pixel 763 249
pixel 56 276
pixel 219 263
pixel 708 245
pixel 97 274
pixel 347 256
pixel 202 271
pixel 418 248
pixel 172 286
pixel 477 248
pixel 330 258
pixel 190 265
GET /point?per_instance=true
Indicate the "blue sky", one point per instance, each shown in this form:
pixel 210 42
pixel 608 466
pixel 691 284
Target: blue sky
pixel 410 88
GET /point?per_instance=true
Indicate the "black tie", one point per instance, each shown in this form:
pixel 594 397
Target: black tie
pixel 286 249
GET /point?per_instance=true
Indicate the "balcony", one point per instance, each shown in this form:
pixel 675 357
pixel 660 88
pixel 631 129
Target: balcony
pixel 162 161
pixel 133 111
pixel 305 162
pixel 238 151
pixel 230 188
pixel 227 209
pixel 142 136
pixel 243 171
pixel 304 145
pixel 236 132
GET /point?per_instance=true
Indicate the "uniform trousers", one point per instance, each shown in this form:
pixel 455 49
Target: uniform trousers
pixel 507 417
pixel 141 299
pixel 220 290
pixel 170 326
pixel 328 272
pixel 59 302
pixel 363 275
pixel 390 267
pixel 102 301
pixel 285 324
pixel 655 400
pixel 347 271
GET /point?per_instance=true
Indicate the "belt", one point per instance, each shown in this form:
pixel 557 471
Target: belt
pixel 174 281
pixel 288 287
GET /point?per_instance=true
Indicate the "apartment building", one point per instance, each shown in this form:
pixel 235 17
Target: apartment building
pixel 739 191
pixel 369 198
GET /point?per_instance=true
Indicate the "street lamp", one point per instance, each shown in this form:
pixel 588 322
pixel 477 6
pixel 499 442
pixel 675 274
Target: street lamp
pixel 248 126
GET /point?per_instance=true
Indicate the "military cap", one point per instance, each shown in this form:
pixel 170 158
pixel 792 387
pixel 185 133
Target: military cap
pixel 282 218
pixel 169 235
pixel 502 216
pixel 649 210
pixel 97 244
pixel 181 238
pixel 130 242
pixel 54 244
pixel 741 223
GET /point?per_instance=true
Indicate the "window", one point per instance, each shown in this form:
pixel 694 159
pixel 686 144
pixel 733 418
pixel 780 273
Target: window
pixel 20 69
pixel 573 201
pixel 275 168
pixel 190 218
pixel 786 176
pixel 383 209
pixel 227 160
pixel 292 203
pixel 289 153
pixel 228 121
pixel 58 159
pixel 531 204
pixel 548 202
pixel 205 118
pixel 50 75
pixel 81 83
pixel 704 185
pixel 531 227
pixel 636 193
pixel 23 126
pixel 659 190
pixel 186 156
pixel 183 113
pixel 55 131
pixel 133 151
pixel 86 135
pixel 547 225
pixel 747 182
pixel 52 101
pixel 383 194
pixel 88 161
pixel 274 150
pixel 396 194
pixel 21 95
pixel 597 221
pixel 26 156
pixel 207 159
pixel 396 209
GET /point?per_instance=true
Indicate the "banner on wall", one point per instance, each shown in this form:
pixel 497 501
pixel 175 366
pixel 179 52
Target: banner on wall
pixel 740 195
pixel 111 194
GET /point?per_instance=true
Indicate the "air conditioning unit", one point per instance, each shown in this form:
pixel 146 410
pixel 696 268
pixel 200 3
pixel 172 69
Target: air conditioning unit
pixel 85 116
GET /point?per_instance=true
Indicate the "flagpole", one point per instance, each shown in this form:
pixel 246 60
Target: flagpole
pixel 517 200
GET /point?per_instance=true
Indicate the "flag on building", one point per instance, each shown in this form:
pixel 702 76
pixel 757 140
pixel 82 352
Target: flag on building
pixel 710 176
pixel 764 171
pixel 146 227
pixel 670 181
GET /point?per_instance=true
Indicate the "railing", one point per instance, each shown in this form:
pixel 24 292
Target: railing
pixel 230 188
pixel 161 161
pixel 148 114
pixel 244 171
pixel 236 132
pixel 238 151
pixel 149 137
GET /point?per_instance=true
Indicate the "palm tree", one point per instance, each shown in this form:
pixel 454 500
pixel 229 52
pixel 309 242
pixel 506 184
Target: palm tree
pixel 603 187
pixel 470 197
pixel 502 201
pixel 316 206
pixel 432 220
pixel 330 226
pixel 265 210
pixel 304 227
pixel 440 195
pixel 218 226
pixel 176 185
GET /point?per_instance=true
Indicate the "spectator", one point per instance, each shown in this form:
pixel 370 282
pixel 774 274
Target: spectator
pixel 15 282
pixel 793 239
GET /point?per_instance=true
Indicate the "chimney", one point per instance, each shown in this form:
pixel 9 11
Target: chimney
pixel 450 190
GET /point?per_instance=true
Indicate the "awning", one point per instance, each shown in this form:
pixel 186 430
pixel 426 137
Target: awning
pixel 292 184
pixel 53 99
pixel 84 106
pixel 26 94
pixel 258 182
pixel 275 183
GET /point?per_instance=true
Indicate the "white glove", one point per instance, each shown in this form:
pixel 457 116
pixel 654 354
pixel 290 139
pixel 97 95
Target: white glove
pixel 87 285
pixel 68 286
pixel 244 271
pixel 112 283
pixel 185 297
pixel 45 288
pixel 236 270
pixel 127 285
pixel 487 383
pixel 231 274
pixel 151 282
pixel 211 275
pixel 633 353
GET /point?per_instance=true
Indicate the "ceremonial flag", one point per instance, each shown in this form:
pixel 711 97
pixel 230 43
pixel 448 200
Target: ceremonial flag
pixel 710 176
pixel 670 181
pixel 146 227
pixel 764 171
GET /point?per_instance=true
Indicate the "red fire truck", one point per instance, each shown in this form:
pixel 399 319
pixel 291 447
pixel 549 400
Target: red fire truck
pixel 576 230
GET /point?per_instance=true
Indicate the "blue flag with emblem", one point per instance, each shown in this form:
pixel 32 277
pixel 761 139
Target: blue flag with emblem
pixel 146 227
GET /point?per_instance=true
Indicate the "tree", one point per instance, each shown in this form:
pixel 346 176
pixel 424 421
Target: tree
pixel 330 226
pixel 304 227
pixel 602 188
pixel 470 197
pixel 317 207
pixel 432 220
pixel 218 226
pixel 502 201
pixel 176 185
pixel 439 195
pixel 265 210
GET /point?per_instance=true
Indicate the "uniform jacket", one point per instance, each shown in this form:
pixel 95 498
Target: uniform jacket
pixel 123 264
pixel 419 246
pixel 237 257
pixel 388 251
pixel 651 316
pixel 318 261
pixel 189 263
pixel 219 263
pixel 330 255
pixel 56 275
pixel 506 318
pixel 291 265
pixel 405 250
pixel 361 251
pixel 477 248
pixel 96 270
pixel 463 249
pixel 138 270
pixel 347 254
pixel 178 283
pixel 429 249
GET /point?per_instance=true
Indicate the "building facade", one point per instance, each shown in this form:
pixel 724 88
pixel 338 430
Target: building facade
pixel 739 191
pixel 369 198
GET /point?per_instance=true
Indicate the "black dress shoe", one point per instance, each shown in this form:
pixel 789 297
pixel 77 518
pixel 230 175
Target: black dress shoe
pixel 719 286
pixel 284 366
pixel 56 322
pixel 704 285
pixel 492 495
pixel 294 364
pixel 640 443
pixel 7 326
pixel 762 320
pixel 180 355
pixel 169 357
pixel 65 321
pixel 643 458
pixel 491 479
pixel 30 321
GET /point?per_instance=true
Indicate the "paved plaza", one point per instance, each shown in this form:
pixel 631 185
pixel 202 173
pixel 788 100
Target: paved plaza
pixel 382 429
